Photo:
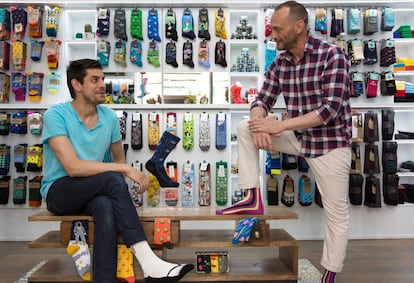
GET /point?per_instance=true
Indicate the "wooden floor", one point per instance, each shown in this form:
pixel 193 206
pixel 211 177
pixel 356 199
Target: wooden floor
pixel 368 261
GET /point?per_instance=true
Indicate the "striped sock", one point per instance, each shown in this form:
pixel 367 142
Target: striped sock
pixel 328 277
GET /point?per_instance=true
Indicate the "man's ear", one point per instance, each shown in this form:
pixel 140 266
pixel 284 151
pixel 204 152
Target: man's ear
pixel 76 85
pixel 300 26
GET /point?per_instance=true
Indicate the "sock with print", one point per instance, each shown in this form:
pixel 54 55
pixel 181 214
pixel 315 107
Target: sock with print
pixel 52 20
pixel 328 277
pixel 220 54
pixel 244 230
pixel 221 24
pixel 120 24
pixel 251 204
pixel 104 16
pixel 171 25
pixel 203 29
pixel 120 53
pixel 136 23
pixel 103 51
pixel 188 131
pixel 135 52
pixel 171 54
pixel 125 265
pixel 79 250
pixel 267 18
pixel 187 24
pixel 270 53
pixel 203 54
pixel 152 21
pixel 188 54
pixel 36 48
pixel 153 54
pixel 18 84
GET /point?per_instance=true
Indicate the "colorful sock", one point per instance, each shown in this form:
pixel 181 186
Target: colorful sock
pixel 220 24
pixel 136 24
pixel 153 194
pixel 79 250
pixel 120 53
pixel 288 192
pixel 270 53
pixel 36 48
pixel 19 20
pixel 244 230
pixel 171 25
pixel 52 52
pixel 103 50
pixel 153 25
pixel 35 122
pixel 53 82
pixel 162 230
pixel 221 182
pixel 153 54
pixel 52 21
pixel 204 132
pixel 104 16
pixel 187 24
pixel 187 197
pixel 203 26
pixel 221 131
pixel 136 131
pixel 267 18
pixel 171 54
pixel 251 204
pixel 19 190
pixel 203 54
pixel 135 52
pixel 220 54
pixel 204 188
pixel 35 198
pixel 328 277
pixel 125 265
pixel 153 130
pixel 188 131
pixel 120 24
pixel 18 85
pixel 35 86
pixel 188 54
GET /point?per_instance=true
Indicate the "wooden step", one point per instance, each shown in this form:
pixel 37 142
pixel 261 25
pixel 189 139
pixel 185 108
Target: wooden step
pixel 250 268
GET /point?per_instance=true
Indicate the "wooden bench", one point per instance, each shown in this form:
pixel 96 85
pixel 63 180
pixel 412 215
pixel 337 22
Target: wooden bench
pixel 284 266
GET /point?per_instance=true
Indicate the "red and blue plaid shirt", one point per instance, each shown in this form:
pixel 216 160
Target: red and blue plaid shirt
pixel 319 83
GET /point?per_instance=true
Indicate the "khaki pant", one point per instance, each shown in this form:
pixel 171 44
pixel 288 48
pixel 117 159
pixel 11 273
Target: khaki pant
pixel 331 172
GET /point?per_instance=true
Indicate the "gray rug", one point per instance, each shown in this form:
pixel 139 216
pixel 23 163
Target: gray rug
pixel 308 272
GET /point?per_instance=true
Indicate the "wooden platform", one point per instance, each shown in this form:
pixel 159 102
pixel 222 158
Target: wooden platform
pixel 283 266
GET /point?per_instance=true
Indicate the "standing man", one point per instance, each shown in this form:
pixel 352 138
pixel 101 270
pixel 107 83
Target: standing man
pixel 77 137
pixel 313 77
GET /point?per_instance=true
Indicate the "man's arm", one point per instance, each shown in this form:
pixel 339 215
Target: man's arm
pixel 75 167
pixel 117 151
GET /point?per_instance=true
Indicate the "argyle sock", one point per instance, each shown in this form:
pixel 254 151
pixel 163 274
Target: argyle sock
pixel 136 24
pixel 153 25
pixel 153 54
pixel 125 265
pixel 188 54
pixel 244 230
pixel 328 277
pixel 187 24
pixel 203 54
pixel 251 204
pixel 156 268
pixel 171 54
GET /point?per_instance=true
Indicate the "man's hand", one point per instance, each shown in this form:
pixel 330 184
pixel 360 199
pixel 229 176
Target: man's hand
pixel 139 178
pixel 263 129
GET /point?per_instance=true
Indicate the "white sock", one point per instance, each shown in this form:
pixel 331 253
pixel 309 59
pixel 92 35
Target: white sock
pixel 151 264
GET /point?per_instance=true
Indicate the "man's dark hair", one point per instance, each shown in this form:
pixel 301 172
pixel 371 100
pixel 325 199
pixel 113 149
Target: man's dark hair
pixel 296 10
pixel 77 70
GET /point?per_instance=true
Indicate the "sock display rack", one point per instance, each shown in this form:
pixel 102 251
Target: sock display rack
pixel 226 86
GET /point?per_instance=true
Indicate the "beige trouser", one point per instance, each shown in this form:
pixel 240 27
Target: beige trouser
pixel 331 172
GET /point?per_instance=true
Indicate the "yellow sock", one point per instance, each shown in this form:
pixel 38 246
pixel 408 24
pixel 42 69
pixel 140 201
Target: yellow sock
pixel 80 254
pixel 125 267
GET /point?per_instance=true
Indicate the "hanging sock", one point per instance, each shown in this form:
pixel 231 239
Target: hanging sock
pixel 35 21
pixel 153 25
pixel 52 21
pixel 19 20
pixel 220 54
pixel 288 192
pixel 220 23
pixel 153 54
pixel 203 54
pixel 187 24
pixel 203 26
pixel 136 24
pixel 171 54
pixel 120 24
pixel 171 25
pixel 155 165
pixel 103 50
pixel 104 16
pixel 52 51
pixel 188 54
pixel 135 54
pixel 120 53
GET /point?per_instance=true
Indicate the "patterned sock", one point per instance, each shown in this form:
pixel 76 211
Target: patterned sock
pixel 203 54
pixel 244 229
pixel 135 52
pixel 153 54
pixel 136 24
pixel 187 24
pixel 125 265
pixel 171 25
pixel 153 25
pixel 328 277
pixel 171 54
pixel 80 254
pixel 188 54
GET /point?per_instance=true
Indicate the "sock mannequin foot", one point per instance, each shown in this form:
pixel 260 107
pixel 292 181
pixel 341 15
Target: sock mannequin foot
pixel 156 269
pixel 251 204
pixel 328 277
